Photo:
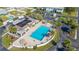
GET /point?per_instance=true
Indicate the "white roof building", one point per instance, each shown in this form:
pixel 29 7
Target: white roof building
pixel 57 9
pixel 21 32
pixel 18 20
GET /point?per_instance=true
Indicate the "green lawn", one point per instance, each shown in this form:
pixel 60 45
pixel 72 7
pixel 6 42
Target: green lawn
pixel 42 48
pixel 56 39
pixel 6 40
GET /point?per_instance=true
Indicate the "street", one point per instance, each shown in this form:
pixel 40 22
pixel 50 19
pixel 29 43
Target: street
pixel 75 43
pixel 59 44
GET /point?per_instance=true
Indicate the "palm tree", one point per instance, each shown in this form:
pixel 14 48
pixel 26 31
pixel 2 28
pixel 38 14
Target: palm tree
pixel 57 23
pixel 67 43
pixel 12 29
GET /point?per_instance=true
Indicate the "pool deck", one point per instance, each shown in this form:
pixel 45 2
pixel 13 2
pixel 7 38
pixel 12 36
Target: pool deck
pixel 27 40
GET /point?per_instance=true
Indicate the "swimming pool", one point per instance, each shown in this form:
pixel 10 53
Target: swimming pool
pixel 40 32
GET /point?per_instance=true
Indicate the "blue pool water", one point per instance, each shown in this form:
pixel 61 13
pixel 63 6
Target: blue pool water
pixel 40 32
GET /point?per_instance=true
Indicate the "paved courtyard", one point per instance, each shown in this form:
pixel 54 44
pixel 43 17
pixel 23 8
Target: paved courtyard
pixel 27 40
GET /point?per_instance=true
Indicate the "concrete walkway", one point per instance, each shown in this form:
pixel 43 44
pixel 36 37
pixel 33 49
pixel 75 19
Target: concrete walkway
pixel 27 38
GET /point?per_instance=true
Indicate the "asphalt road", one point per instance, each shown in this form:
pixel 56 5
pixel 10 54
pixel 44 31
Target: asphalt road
pixel 59 44
pixel 75 43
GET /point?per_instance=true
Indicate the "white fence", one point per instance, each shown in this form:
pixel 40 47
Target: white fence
pixel 43 43
pixel 46 42
pixel 37 45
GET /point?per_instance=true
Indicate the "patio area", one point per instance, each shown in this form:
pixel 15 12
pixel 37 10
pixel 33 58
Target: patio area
pixel 27 41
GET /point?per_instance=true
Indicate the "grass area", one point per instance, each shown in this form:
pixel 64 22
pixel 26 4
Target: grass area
pixel 42 48
pixel 56 39
pixel 6 40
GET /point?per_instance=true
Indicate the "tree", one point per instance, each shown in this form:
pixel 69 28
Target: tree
pixel 39 17
pixel 1 22
pixel 73 24
pixel 62 19
pixel 4 17
pixel 12 29
pixel 34 47
pixel 53 42
pixel 6 40
pixel 70 22
pixel 39 10
pixel 37 13
pixel 57 23
pixel 14 12
pixel 71 49
pixel 67 43
pixel 69 10
pixel 28 12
